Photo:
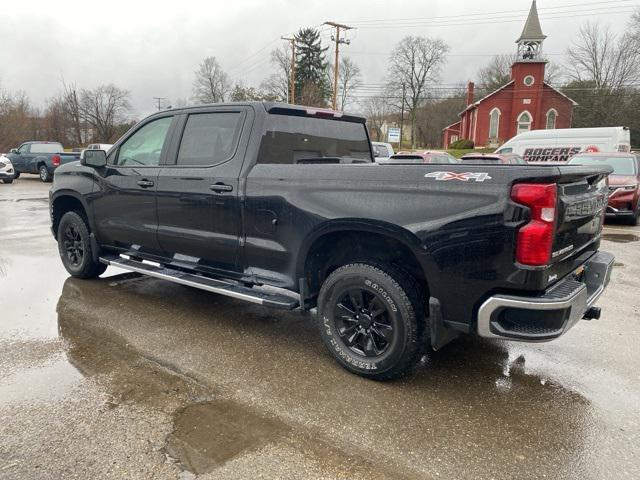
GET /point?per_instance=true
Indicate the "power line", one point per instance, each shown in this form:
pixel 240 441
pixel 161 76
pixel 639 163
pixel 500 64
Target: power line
pixel 493 21
pixel 609 4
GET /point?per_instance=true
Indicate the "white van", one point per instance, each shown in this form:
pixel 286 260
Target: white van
pixel 559 145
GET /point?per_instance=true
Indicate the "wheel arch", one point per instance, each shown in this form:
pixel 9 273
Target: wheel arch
pixel 335 243
pixel 67 201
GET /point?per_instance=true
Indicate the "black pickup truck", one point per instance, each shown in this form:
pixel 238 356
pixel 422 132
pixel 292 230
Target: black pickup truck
pixel 41 158
pixel 283 206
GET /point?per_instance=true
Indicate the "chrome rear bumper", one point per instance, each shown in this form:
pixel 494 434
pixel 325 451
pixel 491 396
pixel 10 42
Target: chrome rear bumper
pixel 547 316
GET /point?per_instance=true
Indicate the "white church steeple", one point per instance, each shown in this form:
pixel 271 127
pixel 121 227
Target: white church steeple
pixel 531 38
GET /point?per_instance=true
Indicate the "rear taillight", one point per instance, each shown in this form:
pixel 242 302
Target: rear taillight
pixel 55 160
pixel 535 239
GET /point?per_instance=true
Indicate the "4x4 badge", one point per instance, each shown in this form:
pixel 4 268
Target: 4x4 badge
pixel 465 177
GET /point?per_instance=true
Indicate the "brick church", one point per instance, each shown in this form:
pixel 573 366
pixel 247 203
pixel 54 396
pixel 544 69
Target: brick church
pixel 525 103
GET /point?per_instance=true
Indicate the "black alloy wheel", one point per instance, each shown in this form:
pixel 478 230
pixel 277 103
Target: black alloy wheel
pixel 363 322
pixel 371 319
pixel 73 245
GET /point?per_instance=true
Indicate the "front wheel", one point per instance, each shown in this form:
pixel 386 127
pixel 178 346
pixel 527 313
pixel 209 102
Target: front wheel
pixel 372 320
pixel 7 180
pixel 16 175
pixel 74 246
pixel 43 171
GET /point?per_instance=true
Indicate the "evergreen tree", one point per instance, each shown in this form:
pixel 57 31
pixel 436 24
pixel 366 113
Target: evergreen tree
pixel 312 86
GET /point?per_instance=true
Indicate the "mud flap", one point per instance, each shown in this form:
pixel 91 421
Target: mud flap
pixel 440 333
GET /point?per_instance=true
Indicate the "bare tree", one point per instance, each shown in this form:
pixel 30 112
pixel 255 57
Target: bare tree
pixel 103 108
pixel 16 119
pixel 71 106
pixel 604 69
pixel 496 74
pixel 349 79
pixel 211 83
pixel 277 85
pixel 598 56
pixel 414 63
pixel 376 110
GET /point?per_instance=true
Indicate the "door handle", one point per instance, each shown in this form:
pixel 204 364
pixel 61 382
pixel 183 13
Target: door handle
pixel 145 183
pixel 221 187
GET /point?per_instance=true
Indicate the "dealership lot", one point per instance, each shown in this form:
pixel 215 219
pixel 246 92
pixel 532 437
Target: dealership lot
pixel 132 377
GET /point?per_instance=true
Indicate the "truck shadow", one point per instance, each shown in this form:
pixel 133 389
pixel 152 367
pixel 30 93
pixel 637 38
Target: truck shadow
pixel 463 400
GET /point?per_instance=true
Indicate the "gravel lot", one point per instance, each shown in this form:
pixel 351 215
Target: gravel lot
pixel 132 377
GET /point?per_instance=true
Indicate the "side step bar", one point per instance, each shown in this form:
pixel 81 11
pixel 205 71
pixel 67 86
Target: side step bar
pixel 229 289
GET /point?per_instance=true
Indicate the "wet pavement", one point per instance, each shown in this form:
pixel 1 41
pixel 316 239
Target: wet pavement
pixel 133 377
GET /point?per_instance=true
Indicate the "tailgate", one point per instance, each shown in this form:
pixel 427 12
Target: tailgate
pixel 582 200
pixel 69 157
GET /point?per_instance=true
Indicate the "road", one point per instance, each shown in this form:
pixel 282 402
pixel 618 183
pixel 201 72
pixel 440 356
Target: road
pixel 132 377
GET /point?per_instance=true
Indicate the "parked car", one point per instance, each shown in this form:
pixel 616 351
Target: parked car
pixel 381 150
pixel 424 156
pixel 219 200
pixel 7 172
pixel 100 146
pixel 624 182
pixel 559 145
pixel 492 158
pixel 41 158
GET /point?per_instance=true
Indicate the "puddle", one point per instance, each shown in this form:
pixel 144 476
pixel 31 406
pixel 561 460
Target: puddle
pixel 206 435
pixel 46 383
pixel 621 237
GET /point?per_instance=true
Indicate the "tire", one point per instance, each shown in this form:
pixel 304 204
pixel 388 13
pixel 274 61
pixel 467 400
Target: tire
pixel 74 246
pixel 45 176
pixel 16 175
pixel 7 180
pixel 372 320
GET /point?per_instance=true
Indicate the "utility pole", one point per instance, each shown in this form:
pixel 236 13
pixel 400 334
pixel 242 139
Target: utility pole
pixel 159 100
pixel 336 72
pixel 404 92
pixel 292 70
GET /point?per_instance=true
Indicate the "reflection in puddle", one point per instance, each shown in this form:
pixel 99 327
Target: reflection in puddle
pixel 469 393
pixel 208 434
pixel 49 382
pixel 620 237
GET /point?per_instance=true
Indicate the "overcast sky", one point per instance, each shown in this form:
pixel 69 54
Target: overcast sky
pixel 151 48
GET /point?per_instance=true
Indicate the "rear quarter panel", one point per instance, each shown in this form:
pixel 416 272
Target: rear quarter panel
pixel 462 232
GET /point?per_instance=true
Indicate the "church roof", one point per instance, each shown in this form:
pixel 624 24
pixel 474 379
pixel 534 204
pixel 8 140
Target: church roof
pixel 478 102
pixel 532 29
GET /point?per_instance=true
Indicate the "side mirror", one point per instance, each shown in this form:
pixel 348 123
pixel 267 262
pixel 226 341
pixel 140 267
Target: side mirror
pixel 93 158
pixel 13 150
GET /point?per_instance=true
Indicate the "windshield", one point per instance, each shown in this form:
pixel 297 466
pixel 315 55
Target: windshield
pixel 621 165
pixel 46 148
pixel 296 139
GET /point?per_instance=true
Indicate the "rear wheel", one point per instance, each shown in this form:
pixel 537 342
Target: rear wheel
pixel 372 320
pixel 43 171
pixel 74 246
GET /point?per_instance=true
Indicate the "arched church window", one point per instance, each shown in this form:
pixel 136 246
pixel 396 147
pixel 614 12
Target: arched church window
pixel 524 122
pixel 494 123
pixel 552 115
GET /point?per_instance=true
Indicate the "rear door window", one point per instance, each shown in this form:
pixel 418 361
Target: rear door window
pixel 290 139
pixel 210 138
